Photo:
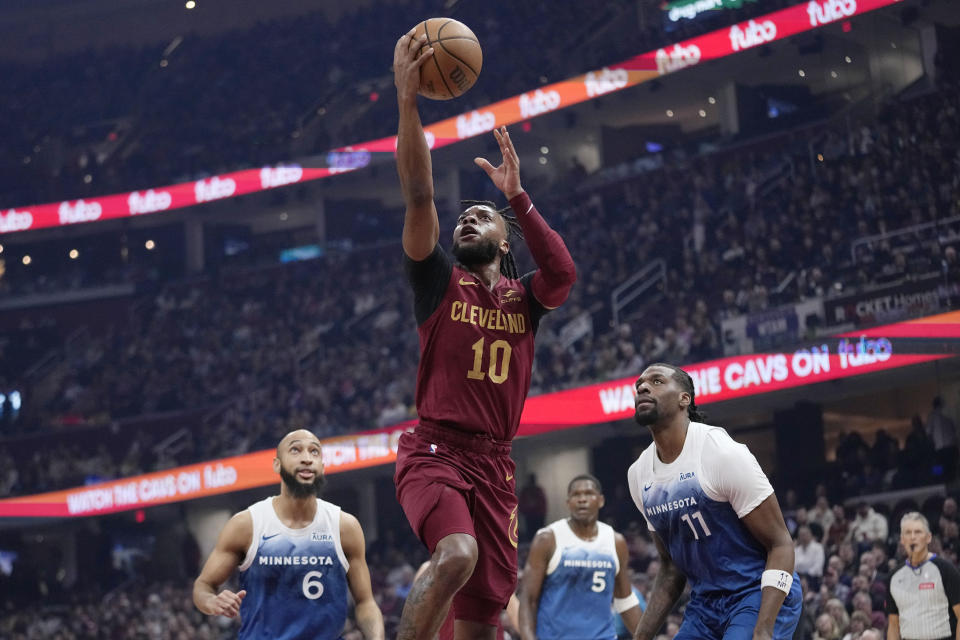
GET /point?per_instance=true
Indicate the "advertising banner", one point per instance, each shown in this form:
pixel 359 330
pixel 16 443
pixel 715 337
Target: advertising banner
pixel 841 356
pixel 536 102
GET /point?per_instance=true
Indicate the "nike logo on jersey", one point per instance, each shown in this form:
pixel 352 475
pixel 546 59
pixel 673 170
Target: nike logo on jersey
pixel 647 487
pixel 509 478
pixel 462 281
pixel 265 538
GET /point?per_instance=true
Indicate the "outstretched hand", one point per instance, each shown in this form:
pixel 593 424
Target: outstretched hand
pixel 506 177
pixel 406 64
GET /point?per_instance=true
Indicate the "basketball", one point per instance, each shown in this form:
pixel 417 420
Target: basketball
pixel 457 58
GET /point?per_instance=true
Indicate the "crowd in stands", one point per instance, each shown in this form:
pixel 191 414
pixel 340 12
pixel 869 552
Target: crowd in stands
pixel 141 117
pixel 320 343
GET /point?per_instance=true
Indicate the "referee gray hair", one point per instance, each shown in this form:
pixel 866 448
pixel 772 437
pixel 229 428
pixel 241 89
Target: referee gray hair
pixel 917 516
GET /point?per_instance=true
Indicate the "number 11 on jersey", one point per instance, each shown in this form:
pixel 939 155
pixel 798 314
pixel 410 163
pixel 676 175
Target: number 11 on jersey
pixel 696 516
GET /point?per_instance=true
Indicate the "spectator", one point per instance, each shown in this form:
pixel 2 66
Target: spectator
pixel 943 435
pixel 532 506
pixel 868 526
pixel 809 556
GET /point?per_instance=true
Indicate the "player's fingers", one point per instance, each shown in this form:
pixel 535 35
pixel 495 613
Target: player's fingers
pixel 242 594
pixel 483 164
pixel 425 55
pixel 416 41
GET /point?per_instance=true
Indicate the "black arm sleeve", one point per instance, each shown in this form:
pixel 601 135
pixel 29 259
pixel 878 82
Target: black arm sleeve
pixel 890 605
pixel 429 279
pixel 537 310
pixel 951 579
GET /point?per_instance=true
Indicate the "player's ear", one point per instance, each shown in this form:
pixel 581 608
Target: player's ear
pixel 685 399
pixel 276 465
pixel 504 247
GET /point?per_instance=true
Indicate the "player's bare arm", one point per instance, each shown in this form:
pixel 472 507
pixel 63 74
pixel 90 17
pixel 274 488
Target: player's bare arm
pixel 766 524
pixel 367 613
pixel 622 587
pixel 231 548
pixel 667 588
pixel 421 229
pixel 541 549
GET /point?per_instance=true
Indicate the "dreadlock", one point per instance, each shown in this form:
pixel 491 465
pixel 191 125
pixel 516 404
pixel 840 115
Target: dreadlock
pixel 686 382
pixel 508 265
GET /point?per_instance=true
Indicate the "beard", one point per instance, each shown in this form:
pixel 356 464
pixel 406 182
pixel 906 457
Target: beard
pixel 300 489
pixel 479 253
pixel 647 416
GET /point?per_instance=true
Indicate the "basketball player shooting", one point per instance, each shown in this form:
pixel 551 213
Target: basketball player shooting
pixel 476 321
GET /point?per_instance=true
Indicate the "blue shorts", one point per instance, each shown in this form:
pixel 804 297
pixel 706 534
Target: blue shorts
pixel 734 616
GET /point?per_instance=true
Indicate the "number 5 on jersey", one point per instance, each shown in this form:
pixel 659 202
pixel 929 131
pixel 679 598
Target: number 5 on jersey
pixel 499 366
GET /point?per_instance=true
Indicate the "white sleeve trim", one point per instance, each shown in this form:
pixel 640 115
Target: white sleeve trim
pixel 732 474
pixel 254 539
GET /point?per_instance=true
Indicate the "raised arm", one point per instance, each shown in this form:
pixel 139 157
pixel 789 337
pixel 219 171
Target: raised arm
pixel 421 229
pixel 223 561
pixel 766 524
pixel 541 549
pixel 366 611
pixel 556 274
pixel 624 601
pixel 667 588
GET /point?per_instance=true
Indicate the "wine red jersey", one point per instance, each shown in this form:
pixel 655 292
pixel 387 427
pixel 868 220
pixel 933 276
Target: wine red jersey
pixel 476 347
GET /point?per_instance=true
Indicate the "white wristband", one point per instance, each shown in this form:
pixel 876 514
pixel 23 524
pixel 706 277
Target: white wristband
pixel 622 604
pixel 777 579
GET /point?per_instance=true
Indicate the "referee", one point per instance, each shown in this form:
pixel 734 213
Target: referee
pixel 924 594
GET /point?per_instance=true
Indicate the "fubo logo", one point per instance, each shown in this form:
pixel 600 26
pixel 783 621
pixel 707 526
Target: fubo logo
pixel 605 81
pixel 475 123
pixel 148 202
pixel 13 220
pixel 676 58
pixel 79 211
pixel 828 11
pixel 538 102
pixel 753 34
pixel 214 189
pixel 278 176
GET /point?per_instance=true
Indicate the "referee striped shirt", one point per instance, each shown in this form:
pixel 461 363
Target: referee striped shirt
pixel 923 597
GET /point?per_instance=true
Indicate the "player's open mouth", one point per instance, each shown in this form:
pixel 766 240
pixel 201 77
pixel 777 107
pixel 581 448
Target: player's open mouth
pixel 306 473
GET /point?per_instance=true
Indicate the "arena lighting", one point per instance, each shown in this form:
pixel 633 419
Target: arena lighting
pixel 669 113
pixel 190 4
pixel 544 150
pixel 27 260
pixel 712 100
pixel 284 216
pixel 803 74
pixel 702 113
pixel 74 254
pixel 841 356
pixel 847 59
pixel 1 248
pixel 149 244
pixel 540 100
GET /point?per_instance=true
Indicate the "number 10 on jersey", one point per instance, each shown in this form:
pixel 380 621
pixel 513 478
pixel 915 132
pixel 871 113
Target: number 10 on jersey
pixel 499 361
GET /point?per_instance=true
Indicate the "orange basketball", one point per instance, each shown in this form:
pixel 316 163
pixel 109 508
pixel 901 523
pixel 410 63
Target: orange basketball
pixel 457 59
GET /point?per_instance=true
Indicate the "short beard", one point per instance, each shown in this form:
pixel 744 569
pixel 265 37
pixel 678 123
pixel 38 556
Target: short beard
pixel 300 490
pixel 476 254
pixel 648 417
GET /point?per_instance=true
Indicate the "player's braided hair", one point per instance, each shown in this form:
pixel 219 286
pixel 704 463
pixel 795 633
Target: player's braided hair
pixel 508 265
pixel 685 381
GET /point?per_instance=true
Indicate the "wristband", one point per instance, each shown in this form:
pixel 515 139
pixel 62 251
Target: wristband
pixel 622 604
pixel 777 579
